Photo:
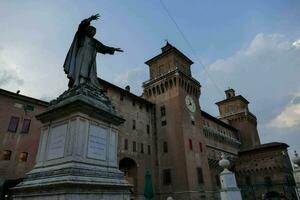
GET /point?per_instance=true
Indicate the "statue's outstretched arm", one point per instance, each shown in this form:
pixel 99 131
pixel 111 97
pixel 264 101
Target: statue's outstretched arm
pixel 101 48
pixel 86 22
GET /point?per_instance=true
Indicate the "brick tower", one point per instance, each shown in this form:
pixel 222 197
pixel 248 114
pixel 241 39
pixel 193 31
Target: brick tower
pixel 183 166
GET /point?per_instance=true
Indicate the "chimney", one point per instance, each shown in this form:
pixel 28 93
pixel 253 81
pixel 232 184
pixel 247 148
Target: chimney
pixel 18 92
pixel 127 88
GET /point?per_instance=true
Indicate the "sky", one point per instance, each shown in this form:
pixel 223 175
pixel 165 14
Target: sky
pixel 251 46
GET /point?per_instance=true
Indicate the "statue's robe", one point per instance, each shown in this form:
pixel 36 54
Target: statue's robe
pixel 81 57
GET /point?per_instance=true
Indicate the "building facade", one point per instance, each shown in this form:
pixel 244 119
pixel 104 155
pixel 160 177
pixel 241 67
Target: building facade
pixel 166 132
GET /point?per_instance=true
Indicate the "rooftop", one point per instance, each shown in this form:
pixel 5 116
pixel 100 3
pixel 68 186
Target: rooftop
pixel 168 48
pixel 218 121
pixel 124 91
pixel 240 97
pixel 23 98
pixel 265 146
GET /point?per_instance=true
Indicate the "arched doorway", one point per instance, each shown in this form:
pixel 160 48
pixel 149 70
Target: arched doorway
pixel 129 167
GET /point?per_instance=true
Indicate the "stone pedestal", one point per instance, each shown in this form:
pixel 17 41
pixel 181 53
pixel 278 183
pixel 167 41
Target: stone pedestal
pixel 77 156
pixel 229 189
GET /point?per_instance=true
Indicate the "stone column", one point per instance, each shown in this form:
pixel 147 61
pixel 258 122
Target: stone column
pixel 77 155
pixel 229 189
pixel 296 161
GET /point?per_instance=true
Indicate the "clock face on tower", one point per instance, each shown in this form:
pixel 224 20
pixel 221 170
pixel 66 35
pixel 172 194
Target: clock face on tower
pixel 190 104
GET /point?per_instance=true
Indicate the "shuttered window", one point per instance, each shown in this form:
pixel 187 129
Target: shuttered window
pixel 26 126
pixel 13 124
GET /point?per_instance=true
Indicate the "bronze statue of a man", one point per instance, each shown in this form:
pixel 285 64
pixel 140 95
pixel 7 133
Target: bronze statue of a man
pixel 80 63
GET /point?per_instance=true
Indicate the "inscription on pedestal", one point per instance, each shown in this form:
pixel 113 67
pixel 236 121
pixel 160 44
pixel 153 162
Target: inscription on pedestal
pixel 56 146
pixel 97 143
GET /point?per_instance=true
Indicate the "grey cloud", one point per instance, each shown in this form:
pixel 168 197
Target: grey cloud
pixel 266 73
pixel 9 76
pixel 134 78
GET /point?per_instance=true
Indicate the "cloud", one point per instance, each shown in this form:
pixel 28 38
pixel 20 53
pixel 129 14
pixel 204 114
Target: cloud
pixel 266 72
pixel 296 44
pixel 134 78
pixel 8 77
pixel 289 117
pixel 8 73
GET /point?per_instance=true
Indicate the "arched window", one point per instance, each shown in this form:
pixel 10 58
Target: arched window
pixel 158 90
pixel 170 82
pixel 166 85
pixel 149 92
pixel 153 91
pixel 162 88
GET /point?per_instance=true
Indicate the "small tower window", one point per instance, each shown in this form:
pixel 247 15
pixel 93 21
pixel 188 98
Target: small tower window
pixel 134 146
pixel 149 150
pixel 133 124
pixel 200 147
pixel 190 144
pixel 162 111
pixel 200 175
pixel 142 148
pixel 126 144
pixel 167 177
pixel 165 147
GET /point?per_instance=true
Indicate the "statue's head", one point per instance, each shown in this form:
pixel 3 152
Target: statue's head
pixel 90 31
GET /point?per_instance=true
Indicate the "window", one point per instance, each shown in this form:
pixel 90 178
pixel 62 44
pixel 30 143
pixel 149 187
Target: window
pixel 162 111
pixel 217 177
pixel 142 148
pixel 6 155
pixel 133 124
pixel 13 124
pixel 165 147
pixel 193 122
pixel 268 180
pixel 121 97
pixel 200 147
pixel 149 150
pixel 126 144
pixel 167 177
pixel 200 175
pixel 29 107
pixel 148 128
pixel 18 105
pixel 134 146
pixel 248 180
pixel 190 144
pixel 163 123
pixel 141 106
pixel 147 109
pixel 23 156
pixel 133 102
pixel 26 126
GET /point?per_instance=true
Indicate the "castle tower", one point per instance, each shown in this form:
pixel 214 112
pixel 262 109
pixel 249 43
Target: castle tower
pixel 182 162
pixel 234 110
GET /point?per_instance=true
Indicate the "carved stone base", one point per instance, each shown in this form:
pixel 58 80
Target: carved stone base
pixel 77 156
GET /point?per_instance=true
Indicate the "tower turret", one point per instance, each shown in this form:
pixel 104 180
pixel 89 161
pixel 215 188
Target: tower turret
pixel 234 110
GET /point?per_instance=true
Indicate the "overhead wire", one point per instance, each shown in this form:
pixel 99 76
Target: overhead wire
pixel 190 46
